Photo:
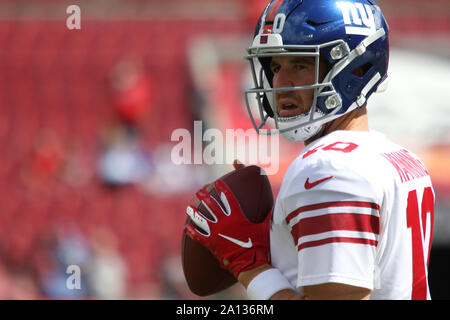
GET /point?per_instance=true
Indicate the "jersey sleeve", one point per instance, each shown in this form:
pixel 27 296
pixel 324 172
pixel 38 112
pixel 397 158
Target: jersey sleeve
pixel 333 217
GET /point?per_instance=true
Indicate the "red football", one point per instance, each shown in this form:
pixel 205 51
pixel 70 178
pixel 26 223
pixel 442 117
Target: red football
pixel 202 271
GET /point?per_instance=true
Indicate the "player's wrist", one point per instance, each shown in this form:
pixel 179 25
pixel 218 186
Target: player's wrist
pixel 267 282
pixel 245 277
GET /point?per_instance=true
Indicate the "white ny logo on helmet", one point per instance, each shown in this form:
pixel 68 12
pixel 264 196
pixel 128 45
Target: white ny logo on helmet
pixel 361 16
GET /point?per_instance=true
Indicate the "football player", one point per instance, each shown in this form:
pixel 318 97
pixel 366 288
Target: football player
pixel 354 215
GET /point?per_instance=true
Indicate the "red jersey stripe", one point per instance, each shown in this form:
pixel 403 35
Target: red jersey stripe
pixel 274 10
pixel 321 242
pixel 360 204
pixel 335 222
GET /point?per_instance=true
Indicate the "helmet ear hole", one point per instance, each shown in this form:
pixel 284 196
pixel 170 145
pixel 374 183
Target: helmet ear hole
pixel 362 70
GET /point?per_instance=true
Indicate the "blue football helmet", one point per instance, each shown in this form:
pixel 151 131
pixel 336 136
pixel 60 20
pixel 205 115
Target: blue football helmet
pixel 348 35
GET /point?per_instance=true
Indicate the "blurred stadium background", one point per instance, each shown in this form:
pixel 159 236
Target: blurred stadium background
pixel 86 118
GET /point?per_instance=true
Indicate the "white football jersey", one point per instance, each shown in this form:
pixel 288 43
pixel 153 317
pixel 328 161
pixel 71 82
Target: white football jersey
pixel 355 208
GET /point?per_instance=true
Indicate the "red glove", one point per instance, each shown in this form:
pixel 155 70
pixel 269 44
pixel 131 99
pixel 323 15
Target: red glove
pixel 237 243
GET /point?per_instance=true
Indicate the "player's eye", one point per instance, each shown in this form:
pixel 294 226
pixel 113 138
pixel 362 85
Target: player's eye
pixel 274 68
pixel 300 66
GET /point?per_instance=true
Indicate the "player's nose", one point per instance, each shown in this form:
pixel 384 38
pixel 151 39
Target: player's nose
pixel 283 78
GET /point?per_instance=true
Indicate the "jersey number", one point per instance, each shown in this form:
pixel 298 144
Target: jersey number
pixel 344 147
pixel 420 258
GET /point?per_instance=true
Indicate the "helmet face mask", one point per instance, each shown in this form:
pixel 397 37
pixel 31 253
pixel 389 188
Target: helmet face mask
pixel 340 91
pixel 303 125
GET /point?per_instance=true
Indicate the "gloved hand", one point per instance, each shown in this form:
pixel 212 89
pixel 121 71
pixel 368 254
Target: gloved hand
pixel 238 244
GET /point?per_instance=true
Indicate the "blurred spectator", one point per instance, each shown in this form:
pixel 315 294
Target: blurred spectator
pixel 69 248
pixel 123 160
pixel 47 158
pixel 132 92
pixel 107 271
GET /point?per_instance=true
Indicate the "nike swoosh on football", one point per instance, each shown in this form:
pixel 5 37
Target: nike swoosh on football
pixel 240 243
pixel 309 185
